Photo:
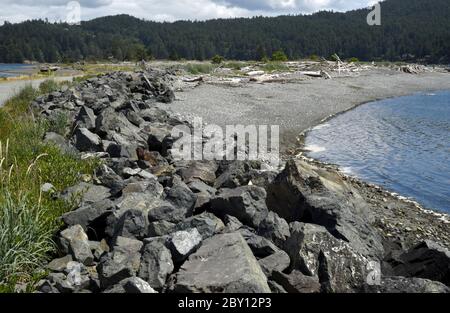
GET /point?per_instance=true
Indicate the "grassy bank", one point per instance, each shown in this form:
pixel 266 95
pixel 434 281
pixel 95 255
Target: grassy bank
pixel 28 217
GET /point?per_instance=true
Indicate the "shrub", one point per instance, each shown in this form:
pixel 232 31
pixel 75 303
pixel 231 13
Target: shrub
pixel 198 68
pixel 279 56
pixel 217 59
pixel 275 67
pixel 48 86
pixel 353 60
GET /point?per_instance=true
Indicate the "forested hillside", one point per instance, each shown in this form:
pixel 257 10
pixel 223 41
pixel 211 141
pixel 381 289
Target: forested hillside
pixel 411 29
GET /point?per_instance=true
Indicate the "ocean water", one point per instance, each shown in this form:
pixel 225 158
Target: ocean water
pixel 402 144
pixel 5 68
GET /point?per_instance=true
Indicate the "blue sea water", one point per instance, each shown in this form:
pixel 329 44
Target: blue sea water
pixel 6 68
pixel 402 144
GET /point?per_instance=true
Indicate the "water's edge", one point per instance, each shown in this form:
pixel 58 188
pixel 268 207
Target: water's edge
pixel 303 154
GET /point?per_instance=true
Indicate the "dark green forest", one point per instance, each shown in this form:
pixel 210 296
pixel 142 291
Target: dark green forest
pixel 410 30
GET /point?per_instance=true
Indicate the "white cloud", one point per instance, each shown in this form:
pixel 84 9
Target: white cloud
pixel 168 10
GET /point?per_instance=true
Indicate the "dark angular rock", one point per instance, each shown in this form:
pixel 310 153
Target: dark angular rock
pixel 87 193
pixel 277 262
pixel 167 212
pixel 156 263
pixel 108 178
pixel 304 192
pixel 236 174
pixel 206 223
pixel 160 228
pixel 200 170
pixel 408 285
pixel 116 150
pixel 74 241
pixel 275 229
pixel 261 247
pixel 246 203
pixel 315 252
pixel 182 197
pixel 123 262
pixel 85 119
pixel 223 264
pixel 85 141
pixel 132 224
pixel 198 186
pixel 89 216
pixel 297 282
pixel 427 260
pixel 156 136
pixel 232 224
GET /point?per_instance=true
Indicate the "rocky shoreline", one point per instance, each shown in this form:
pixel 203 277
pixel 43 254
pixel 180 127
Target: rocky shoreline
pixel 146 222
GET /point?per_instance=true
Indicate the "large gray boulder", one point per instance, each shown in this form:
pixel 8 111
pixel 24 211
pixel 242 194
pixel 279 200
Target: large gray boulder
pixel 297 282
pixel 200 170
pixel 123 262
pixel 408 285
pixel 86 141
pixel 86 193
pixel 85 119
pixel 304 192
pixel 132 224
pixel 206 223
pixel 75 242
pixel 156 263
pixel 89 215
pixel 427 260
pixel 137 285
pixel 247 203
pixel 275 229
pixel 59 141
pixel 277 262
pixel 315 252
pixel 224 263
pixel 183 243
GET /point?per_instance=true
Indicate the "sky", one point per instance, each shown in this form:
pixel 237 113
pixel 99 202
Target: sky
pixel 167 10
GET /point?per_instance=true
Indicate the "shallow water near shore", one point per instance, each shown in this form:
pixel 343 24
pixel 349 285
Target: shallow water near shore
pixel 11 70
pixel 402 144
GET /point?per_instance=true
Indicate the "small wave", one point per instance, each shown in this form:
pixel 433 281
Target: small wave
pixel 347 170
pixel 322 126
pixel 315 148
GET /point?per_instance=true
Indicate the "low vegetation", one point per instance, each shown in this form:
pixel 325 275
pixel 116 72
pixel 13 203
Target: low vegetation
pixel 279 56
pixel 199 68
pixel 28 217
pixel 275 67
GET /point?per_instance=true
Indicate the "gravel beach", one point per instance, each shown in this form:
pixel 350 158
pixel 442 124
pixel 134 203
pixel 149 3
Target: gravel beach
pixel 299 105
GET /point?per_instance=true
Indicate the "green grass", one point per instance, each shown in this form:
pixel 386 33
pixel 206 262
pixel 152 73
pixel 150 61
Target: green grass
pixel 28 218
pixel 275 67
pixel 199 68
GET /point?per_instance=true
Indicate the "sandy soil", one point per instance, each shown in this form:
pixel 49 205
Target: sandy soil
pixel 299 105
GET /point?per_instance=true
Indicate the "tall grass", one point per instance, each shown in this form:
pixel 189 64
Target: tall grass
pixel 275 67
pixel 28 218
pixel 199 68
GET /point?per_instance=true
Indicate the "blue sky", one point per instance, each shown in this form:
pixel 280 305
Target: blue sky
pixel 169 10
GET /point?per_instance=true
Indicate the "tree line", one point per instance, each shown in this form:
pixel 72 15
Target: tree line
pixel 410 30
